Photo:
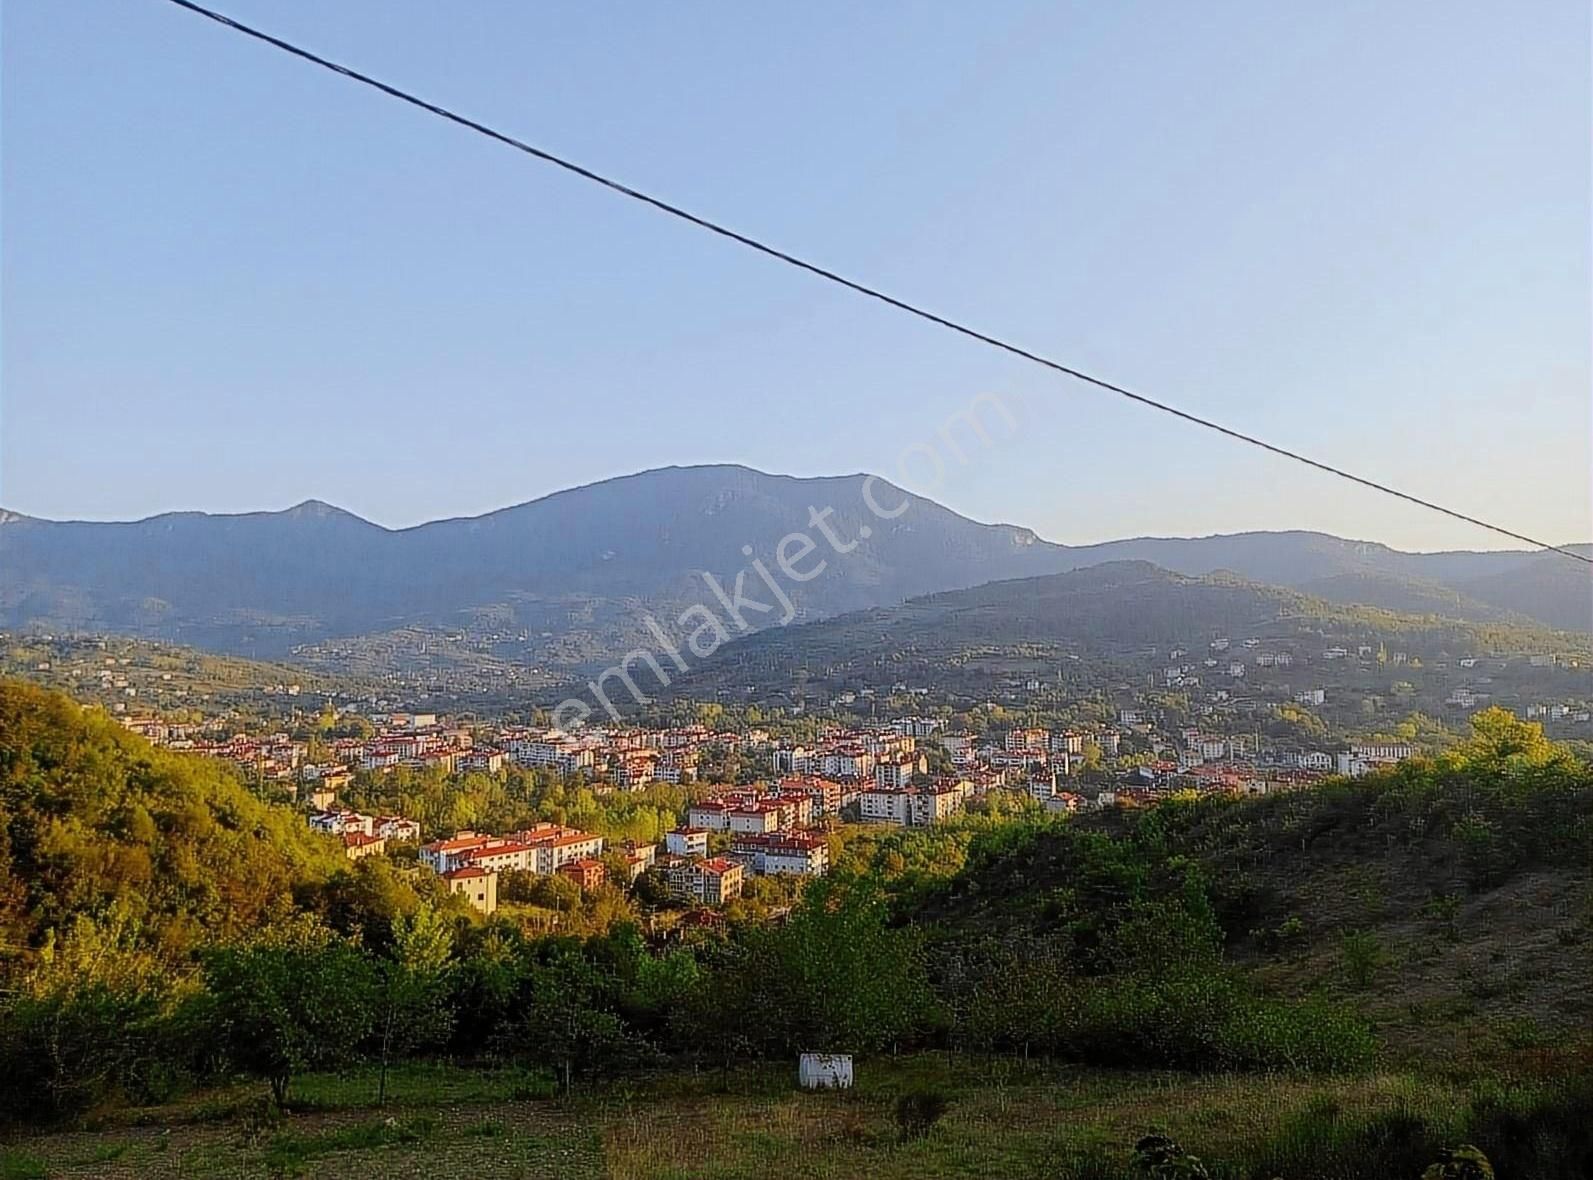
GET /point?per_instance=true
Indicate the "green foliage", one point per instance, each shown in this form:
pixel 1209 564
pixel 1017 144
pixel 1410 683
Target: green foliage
pixel 569 1017
pixel 96 1018
pixel 1363 956
pixel 412 988
pixel 835 977
pixel 289 1152
pixel 1162 1158
pixel 19 1165
pixel 1461 1163
pixel 92 816
pixel 291 1000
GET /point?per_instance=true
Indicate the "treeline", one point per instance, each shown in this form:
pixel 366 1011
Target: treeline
pixel 101 1020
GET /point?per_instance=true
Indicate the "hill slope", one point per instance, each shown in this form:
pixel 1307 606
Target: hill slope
pixel 92 815
pixel 1448 899
pixel 1128 616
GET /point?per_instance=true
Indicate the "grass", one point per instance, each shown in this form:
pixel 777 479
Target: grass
pixel 1002 1117
pixel 288 1152
pixel 18 1165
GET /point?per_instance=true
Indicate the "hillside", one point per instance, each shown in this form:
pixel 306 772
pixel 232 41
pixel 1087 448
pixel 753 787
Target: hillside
pixel 1548 588
pixel 1449 901
pixel 133 676
pixel 564 582
pixel 1121 623
pixel 92 817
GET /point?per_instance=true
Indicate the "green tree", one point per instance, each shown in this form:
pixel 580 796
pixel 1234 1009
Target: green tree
pixel 412 988
pixel 291 1000
pixel 836 976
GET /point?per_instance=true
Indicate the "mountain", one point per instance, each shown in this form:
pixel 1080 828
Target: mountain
pixel 564 581
pixel 568 576
pixel 1504 586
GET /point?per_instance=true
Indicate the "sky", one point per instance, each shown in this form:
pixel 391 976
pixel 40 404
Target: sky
pixel 232 281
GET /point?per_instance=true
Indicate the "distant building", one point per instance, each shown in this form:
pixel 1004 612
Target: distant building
pixel 478 886
pixel 710 882
pixel 686 842
pixel 357 845
pixel 586 872
pixel 796 854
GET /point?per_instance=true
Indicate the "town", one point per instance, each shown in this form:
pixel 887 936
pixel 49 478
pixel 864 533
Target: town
pixel 909 772
pixel 777 794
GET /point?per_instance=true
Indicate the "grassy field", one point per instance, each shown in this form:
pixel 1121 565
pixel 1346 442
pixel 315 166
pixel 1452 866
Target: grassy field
pixel 1005 1118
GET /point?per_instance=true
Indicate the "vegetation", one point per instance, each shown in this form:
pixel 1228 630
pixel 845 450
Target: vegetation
pixel 1213 938
pixel 97 822
pixel 1003 1117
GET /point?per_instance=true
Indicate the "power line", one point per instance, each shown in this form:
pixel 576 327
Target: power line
pixel 851 284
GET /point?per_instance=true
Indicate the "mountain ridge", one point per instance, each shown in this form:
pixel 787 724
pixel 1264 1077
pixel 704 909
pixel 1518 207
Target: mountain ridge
pixel 569 576
pixel 315 506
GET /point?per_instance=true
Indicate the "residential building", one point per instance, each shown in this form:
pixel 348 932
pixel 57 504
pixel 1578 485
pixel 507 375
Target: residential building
pixel 587 872
pixel 357 845
pixel 478 886
pixel 688 842
pixel 711 882
pixel 795 853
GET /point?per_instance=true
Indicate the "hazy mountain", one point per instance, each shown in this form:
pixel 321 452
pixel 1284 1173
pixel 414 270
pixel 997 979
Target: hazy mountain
pixel 566 579
pixel 580 565
pixel 1548 587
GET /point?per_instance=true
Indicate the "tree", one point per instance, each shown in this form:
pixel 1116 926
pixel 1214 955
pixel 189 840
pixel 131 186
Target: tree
pixel 568 1018
pixel 294 999
pixel 835 977
pixel 92 1017
pixel 412 988
pixel 1497 736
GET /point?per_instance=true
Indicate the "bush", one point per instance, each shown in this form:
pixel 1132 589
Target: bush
pixel 1543 1132
pixel 918 1110
pixel 14 1165
pixel 1164 1159
pixel 1461 1163
pixel 1363 957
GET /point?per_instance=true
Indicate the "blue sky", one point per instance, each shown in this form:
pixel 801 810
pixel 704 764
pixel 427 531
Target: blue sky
pixel 232 281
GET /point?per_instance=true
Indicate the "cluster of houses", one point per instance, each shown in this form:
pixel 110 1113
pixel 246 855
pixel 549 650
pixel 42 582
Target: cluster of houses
pixel 1231 765
pixel 911 772
pixel 470 862
pixel 365 835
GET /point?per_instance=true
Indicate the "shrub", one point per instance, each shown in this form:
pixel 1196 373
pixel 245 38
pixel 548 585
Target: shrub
pixel 1362 957
pixel 1461 1163
pixel 1543 1132
pixel 1162 1158
pixel 14 1165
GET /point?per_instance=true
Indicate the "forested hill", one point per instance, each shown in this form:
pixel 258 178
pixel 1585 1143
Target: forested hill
pixel 94 820
pixel 1122 611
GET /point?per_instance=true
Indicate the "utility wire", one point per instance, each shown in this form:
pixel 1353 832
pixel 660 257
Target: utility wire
pixel 861 288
